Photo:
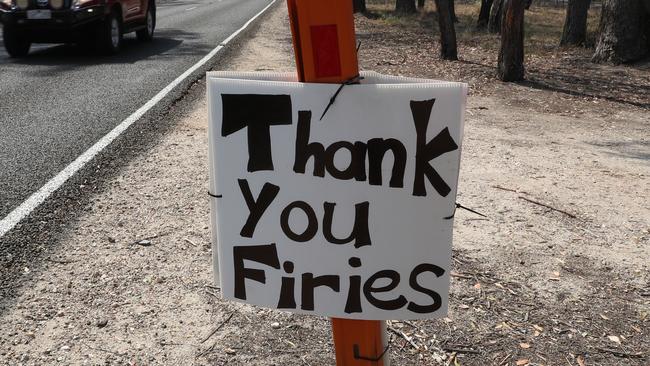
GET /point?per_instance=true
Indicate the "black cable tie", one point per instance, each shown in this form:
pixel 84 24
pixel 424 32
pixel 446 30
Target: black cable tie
pixel 351 81
pixel 214 195
pixel 358 46
pixel 458 205
pixel 357 356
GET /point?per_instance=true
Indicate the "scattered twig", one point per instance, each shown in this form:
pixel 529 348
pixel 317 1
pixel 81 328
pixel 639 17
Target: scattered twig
pixel 208 350
pixel 621 353
pixel 385 62
pixel 506 189
pixel 452 357
pixel 461 275
pixel 211 290
pixel 212 294
pixel 218 327
pixel 147 238
pixel 403 335
pixel 60 261
pixel 549 207
pixel 457 349
pixel 505 359
pixel 477 219
pixel 191 242
pixel 457 260
pixel 411 324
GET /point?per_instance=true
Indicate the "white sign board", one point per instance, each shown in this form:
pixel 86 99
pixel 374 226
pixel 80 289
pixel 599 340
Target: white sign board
pixel 347 216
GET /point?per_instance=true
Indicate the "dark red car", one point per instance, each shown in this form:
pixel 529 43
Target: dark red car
pixel 101 23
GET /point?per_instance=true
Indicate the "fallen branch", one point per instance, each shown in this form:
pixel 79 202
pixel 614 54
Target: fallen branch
pixel 549 207
pixel 218 327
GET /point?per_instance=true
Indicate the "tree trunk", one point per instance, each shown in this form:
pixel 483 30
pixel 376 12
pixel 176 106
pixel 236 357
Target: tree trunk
pixel 624 31
pixel 359 6
pixel 494 23
pixel 575 23
pixel 484 14
pixel 528 4
pixel 511 55
pixel 448 47
pixel 453 11
pixel 405 6
pixel 420 4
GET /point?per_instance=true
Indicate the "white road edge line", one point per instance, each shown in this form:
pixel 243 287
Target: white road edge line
pixel 38 197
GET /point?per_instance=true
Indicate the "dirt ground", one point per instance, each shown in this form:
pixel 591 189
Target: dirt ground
pixel 557 274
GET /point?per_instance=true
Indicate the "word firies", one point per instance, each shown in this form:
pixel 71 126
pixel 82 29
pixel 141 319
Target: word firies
pixel 268 256
pixel 258 113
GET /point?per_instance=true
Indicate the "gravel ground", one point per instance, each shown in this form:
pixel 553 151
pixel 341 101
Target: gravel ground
pixel 557 274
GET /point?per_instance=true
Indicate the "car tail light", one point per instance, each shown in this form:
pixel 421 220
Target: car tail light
pixel 56 4
pixel 22 4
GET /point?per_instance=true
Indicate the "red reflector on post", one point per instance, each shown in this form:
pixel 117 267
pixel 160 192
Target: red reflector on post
pixel 327 60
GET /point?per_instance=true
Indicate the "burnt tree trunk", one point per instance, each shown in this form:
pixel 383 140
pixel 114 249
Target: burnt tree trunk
pixel 405 6
pixel 511 55
pixel 575 23
pixel 359 6
pixel 484 14
pixel 624 31
pixel 448 47
pixel 494 23
pixel 420 4
pixel 453 11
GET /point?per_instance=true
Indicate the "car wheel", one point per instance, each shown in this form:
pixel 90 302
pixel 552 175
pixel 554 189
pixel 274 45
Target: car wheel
pixel 110 34
pixel 146 34
pixel 16 44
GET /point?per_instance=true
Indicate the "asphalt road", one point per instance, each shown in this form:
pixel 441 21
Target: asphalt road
pixel 58 101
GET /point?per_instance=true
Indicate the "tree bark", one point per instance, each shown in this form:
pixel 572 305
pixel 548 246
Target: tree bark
pixel 405 6
pixel 624 31
pixel 453 11
pixel 448 46
pixel 484 14
pixel 511 55
pixel 575 23
pixel 359 6
pixel 494 23
pixel 420 4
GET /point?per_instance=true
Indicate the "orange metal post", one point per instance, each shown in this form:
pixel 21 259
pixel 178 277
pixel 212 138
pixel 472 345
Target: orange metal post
pixel 325 51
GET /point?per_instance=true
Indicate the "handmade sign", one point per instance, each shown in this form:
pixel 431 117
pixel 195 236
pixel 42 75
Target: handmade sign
pixel 347 213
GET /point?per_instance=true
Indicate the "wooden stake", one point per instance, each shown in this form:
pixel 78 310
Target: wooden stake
pixel 325 51
pixel 360 342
